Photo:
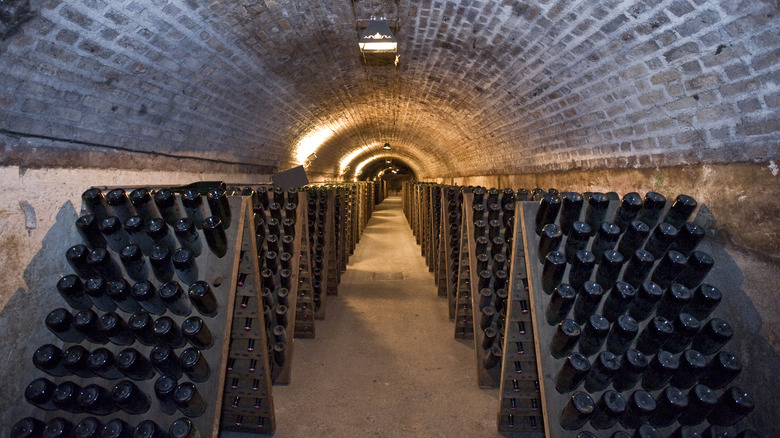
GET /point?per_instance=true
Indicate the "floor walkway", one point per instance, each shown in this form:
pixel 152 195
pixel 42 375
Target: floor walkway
pixel 385 362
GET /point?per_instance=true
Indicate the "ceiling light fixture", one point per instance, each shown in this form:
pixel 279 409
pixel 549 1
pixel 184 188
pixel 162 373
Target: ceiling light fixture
pixel 377 38
pixel 386 147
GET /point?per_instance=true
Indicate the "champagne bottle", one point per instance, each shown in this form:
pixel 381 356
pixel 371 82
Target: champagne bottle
pixel 202 297
pixel 652 208
pixel 114 234
pixel 680 211
pixel 130 398
pixel 553 270
pixel 185 265
pixel 187 235
pixel 101 263
pixel 616 303
pixel 71 289
pixel 148 429
pixel 60 322
pixel 165 200
pixel 629 208
pixel 96 400
pixel 28 427
pixel 114 327
pixel 133 260
pixel 606 238
pixel 76 256
pixel 622 334
pixel 95 203
pixel 183 428
pixel 609 268
pixel 638 267
pixel 685 328
pixel 142 326
pixel 587 301
pixel 174 298
pixel 609 409
pixel 549 205
pixel 142 202
pixel 214 232
pixel 571 206
pixel 639 407
pixel 565 338
pixel 561 301
pixel 88 227
pixel 660 370
pixel 145 294
pixel 188 400
pixel 164 388
pixel 85 322
pixel 581 269
pixel 722 369
pixel 688 238
pixel 120 204
pixel 647 298
pixel 66 397
pixel 194 365
pixel 602 370
pixel 572 373
pixel 577 411
pixel 577 240
pixel 673 301
pixel 712 337
pixel 596 212
pixel 197 333
pixel 634 237
pixel 655 334
pixel 165 361
pixel 167 332
pixel 48 358
pixel 102 362
pixel 662 237
pixel 97 291
pixel 134 365
pixel 550 240
pixel 699 265
pixel 632 366
pixel 733 405
pixel 594 333
pixel 136 231
pixel 692 366
pixel 219 205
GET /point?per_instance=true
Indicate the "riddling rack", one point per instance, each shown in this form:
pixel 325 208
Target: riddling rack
pixel 118 331
pixel 624 293
pixel 451 231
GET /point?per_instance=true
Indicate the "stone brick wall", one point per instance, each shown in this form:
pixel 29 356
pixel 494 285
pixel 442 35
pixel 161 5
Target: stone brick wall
pixel 481 88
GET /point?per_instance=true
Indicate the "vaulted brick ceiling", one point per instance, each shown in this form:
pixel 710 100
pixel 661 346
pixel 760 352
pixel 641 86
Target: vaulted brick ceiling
pixel 481 87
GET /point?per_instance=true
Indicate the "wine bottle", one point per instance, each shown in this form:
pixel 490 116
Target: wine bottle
pixel 609 409
pixel 97 291
pixel 58 427
pixel 606 238
pixel 609 268
pixel 214 232
pixel 197 333
pixel 219 205
pixel 662 237
pixel 142 202
pixel 634 237
pixel 279 352
pixel 136 231
pixel 646 300
pixel 187 235
pixel 116 428
pixel 95 203
pixel 655 334
pixel 183 428
pixel 639 407
pixel 561 301
pixel 692 366
pixel 133 260
pixel 60 322
pixel 76 256
pixel 581 269
pixel 577 411
pixel 587 301
pixel 688 238
pixel 565 338
pixel 733 405
pixel 577 240
pixel 549 205
pixel 632 366
pixel 722 370
pixel 142 326
pixel 594 333
pixel 550 240
pixel 28 427
pixel 145 294
pixel 96 400
pixel 149 429
pixel 712 337
pixel 194 365
pixel 699 265
pixel 652 207
pixel 113 327
pixel 572 373
pixel 165 200
pixel 164 388
pixel 185 266
pixel 571 206
pixel 158 232
pixel 668 268
pixel 66 397
pixel 202 297
pixel 553 270
pixel 638 267
pixel 628 209
pixel 88 227
pixel 680 211
pixel 660 370
pixel 188 400
pixel 130 398
pixel 85 321
pixel 101 263
pixel 673 301
pixel 596 212
pixel 165 361
pixel 134 365
pixel 622 334
pixel 102 362
pixel 114 234
pixel 616 303
pixel 48 358
pixel 167 332
pixel 602 370
pixel 685 328
pixel 71 289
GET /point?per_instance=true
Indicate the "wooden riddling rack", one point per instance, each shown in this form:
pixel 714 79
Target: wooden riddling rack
pixel 222 275
pixel 451 218
pixel 552 401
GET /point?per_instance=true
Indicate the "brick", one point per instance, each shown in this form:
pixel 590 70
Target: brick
pixel 711 114
pixel 665 76
pixel 684 51
pixel 692 25
pixel 749 105
pixel 680 8
pixel 766 60
pixel 749 127
pixel 76 17
pixel 703 81
pixel 772 100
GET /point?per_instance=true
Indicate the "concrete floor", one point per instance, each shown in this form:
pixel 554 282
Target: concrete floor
pixel 385 362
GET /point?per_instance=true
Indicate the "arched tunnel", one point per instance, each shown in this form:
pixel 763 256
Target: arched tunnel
pixel 669 96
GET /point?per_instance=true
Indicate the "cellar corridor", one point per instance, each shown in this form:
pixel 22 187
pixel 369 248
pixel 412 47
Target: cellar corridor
pixel 385 362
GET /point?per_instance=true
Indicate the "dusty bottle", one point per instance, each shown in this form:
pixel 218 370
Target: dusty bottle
pixel 609 268
pixel 673 301
pixel 553 270
pixel 733 405
pixel 96 400
pixel 680 211
pixel 102 363
pixel 712 337
pixel 685 328
pixel 629 208
pixel 60 322
pixel 602 370
pixel 577 240
pixel 167 332
pixel 165 361
pixel 587 301
pixel 165 200
pixel 145 294
pixel 638 267
pixel 194 365
pixel 549 206
pixel 648 295
pixel 594 332
pixel 219 205
pixel 577 412
pixel 701 401
pixel 102 264
pixel 572 373
pixel 622 334
pixel 114 327
pixel 565 338
pixel 214 232
pixel 550 240
pixel 88 227
pixel 632 366
pixel 203 298
pixel 95 203
pixel 174 298
pixel 130 398
pixel 662 237
pixel 640 405
pixel 606 238
pixel 85 321
pixel 71 289
pixel 723 368
pixel 187 235
pixel 692 366
pixel 142 326
pixel 688 238
pixel 596 211
pixel 655 334
pixel 670 403
pixel 136 231
pixel 699 265
pixel 571 206
pixel 609 409
pixel 143 204
pixel 652 207
pixel 581 269
pixel 660 370
pixel 76 256
pixel 561 301
pixel 616 303
pixel 134 365
pixel 633 238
